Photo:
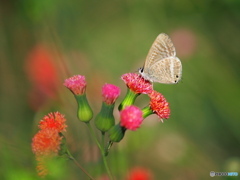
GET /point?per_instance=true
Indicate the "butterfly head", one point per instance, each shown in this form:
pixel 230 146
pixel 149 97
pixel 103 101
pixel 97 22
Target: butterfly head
pixel 140 70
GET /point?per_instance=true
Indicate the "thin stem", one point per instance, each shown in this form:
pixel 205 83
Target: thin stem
pixel 103 137
pixel 93 134
pixel 79 165
pixel 101 149
pixel 109 145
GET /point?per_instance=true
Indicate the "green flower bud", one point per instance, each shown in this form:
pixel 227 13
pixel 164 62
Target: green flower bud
pixel 84 112
pixel 105 119
pixel 116 133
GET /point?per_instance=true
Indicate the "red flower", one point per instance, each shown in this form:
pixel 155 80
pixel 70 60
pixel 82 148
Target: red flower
pixel 42 72
pixel 139 173
pixel 53 121
pixel 137 83
pixel 76 84
pixel 110 93
pixel 131 117
pixel 159 105
pixel 46 143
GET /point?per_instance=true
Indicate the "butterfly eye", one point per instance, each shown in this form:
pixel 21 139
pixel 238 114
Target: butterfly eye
pixel 141 70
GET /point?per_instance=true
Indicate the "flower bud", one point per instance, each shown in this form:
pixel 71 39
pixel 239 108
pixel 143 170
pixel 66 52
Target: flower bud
pixel 116 133
pixel 77 85
pixel 105 119
pixel 84 112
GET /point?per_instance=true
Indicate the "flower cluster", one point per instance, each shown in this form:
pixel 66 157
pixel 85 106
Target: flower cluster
pixel 46 143
pixel 138 85
pixel 131 117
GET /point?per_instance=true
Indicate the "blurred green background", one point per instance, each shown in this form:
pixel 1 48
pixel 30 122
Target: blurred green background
pixel 44 42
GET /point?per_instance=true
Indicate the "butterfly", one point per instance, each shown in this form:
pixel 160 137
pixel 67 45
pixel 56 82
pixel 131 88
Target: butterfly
pixel 161 64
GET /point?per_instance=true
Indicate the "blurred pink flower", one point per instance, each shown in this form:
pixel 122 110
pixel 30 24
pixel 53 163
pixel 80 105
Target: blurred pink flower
pixel 137 83
pixel 110 93
pixel 76 84
pixel 131 117
pixel 184 41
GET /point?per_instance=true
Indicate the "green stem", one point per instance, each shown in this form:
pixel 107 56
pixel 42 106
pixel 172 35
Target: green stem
pixel 109 145
pixel 103 137
pixel 147 111
pixel 128 100
pixel 75 161
pixel 101 149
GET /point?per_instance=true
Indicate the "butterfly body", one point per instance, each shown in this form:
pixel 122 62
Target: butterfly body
pixel 161 64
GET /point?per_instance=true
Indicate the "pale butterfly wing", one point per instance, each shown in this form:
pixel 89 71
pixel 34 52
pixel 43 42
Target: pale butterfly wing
pixel 166 71
pixel 161 48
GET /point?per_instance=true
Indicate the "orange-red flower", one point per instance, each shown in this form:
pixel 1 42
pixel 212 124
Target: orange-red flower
pixel 53 121
pixel 159 105
pixel 46 143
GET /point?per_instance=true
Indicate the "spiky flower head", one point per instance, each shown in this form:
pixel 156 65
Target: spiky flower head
pixel 159 105
pixel 110 93
pixel 131 117
pixel 76 84
pixel 137 83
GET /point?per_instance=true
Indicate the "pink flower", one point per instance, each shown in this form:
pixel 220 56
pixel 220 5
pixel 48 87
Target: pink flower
pixel 159 105
pixel 76 84
pixel 137 83
pixel 53 121
pixel 131 117
pixel 110 93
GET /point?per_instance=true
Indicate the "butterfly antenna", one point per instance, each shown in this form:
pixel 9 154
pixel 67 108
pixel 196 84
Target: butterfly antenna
pixel 181 81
